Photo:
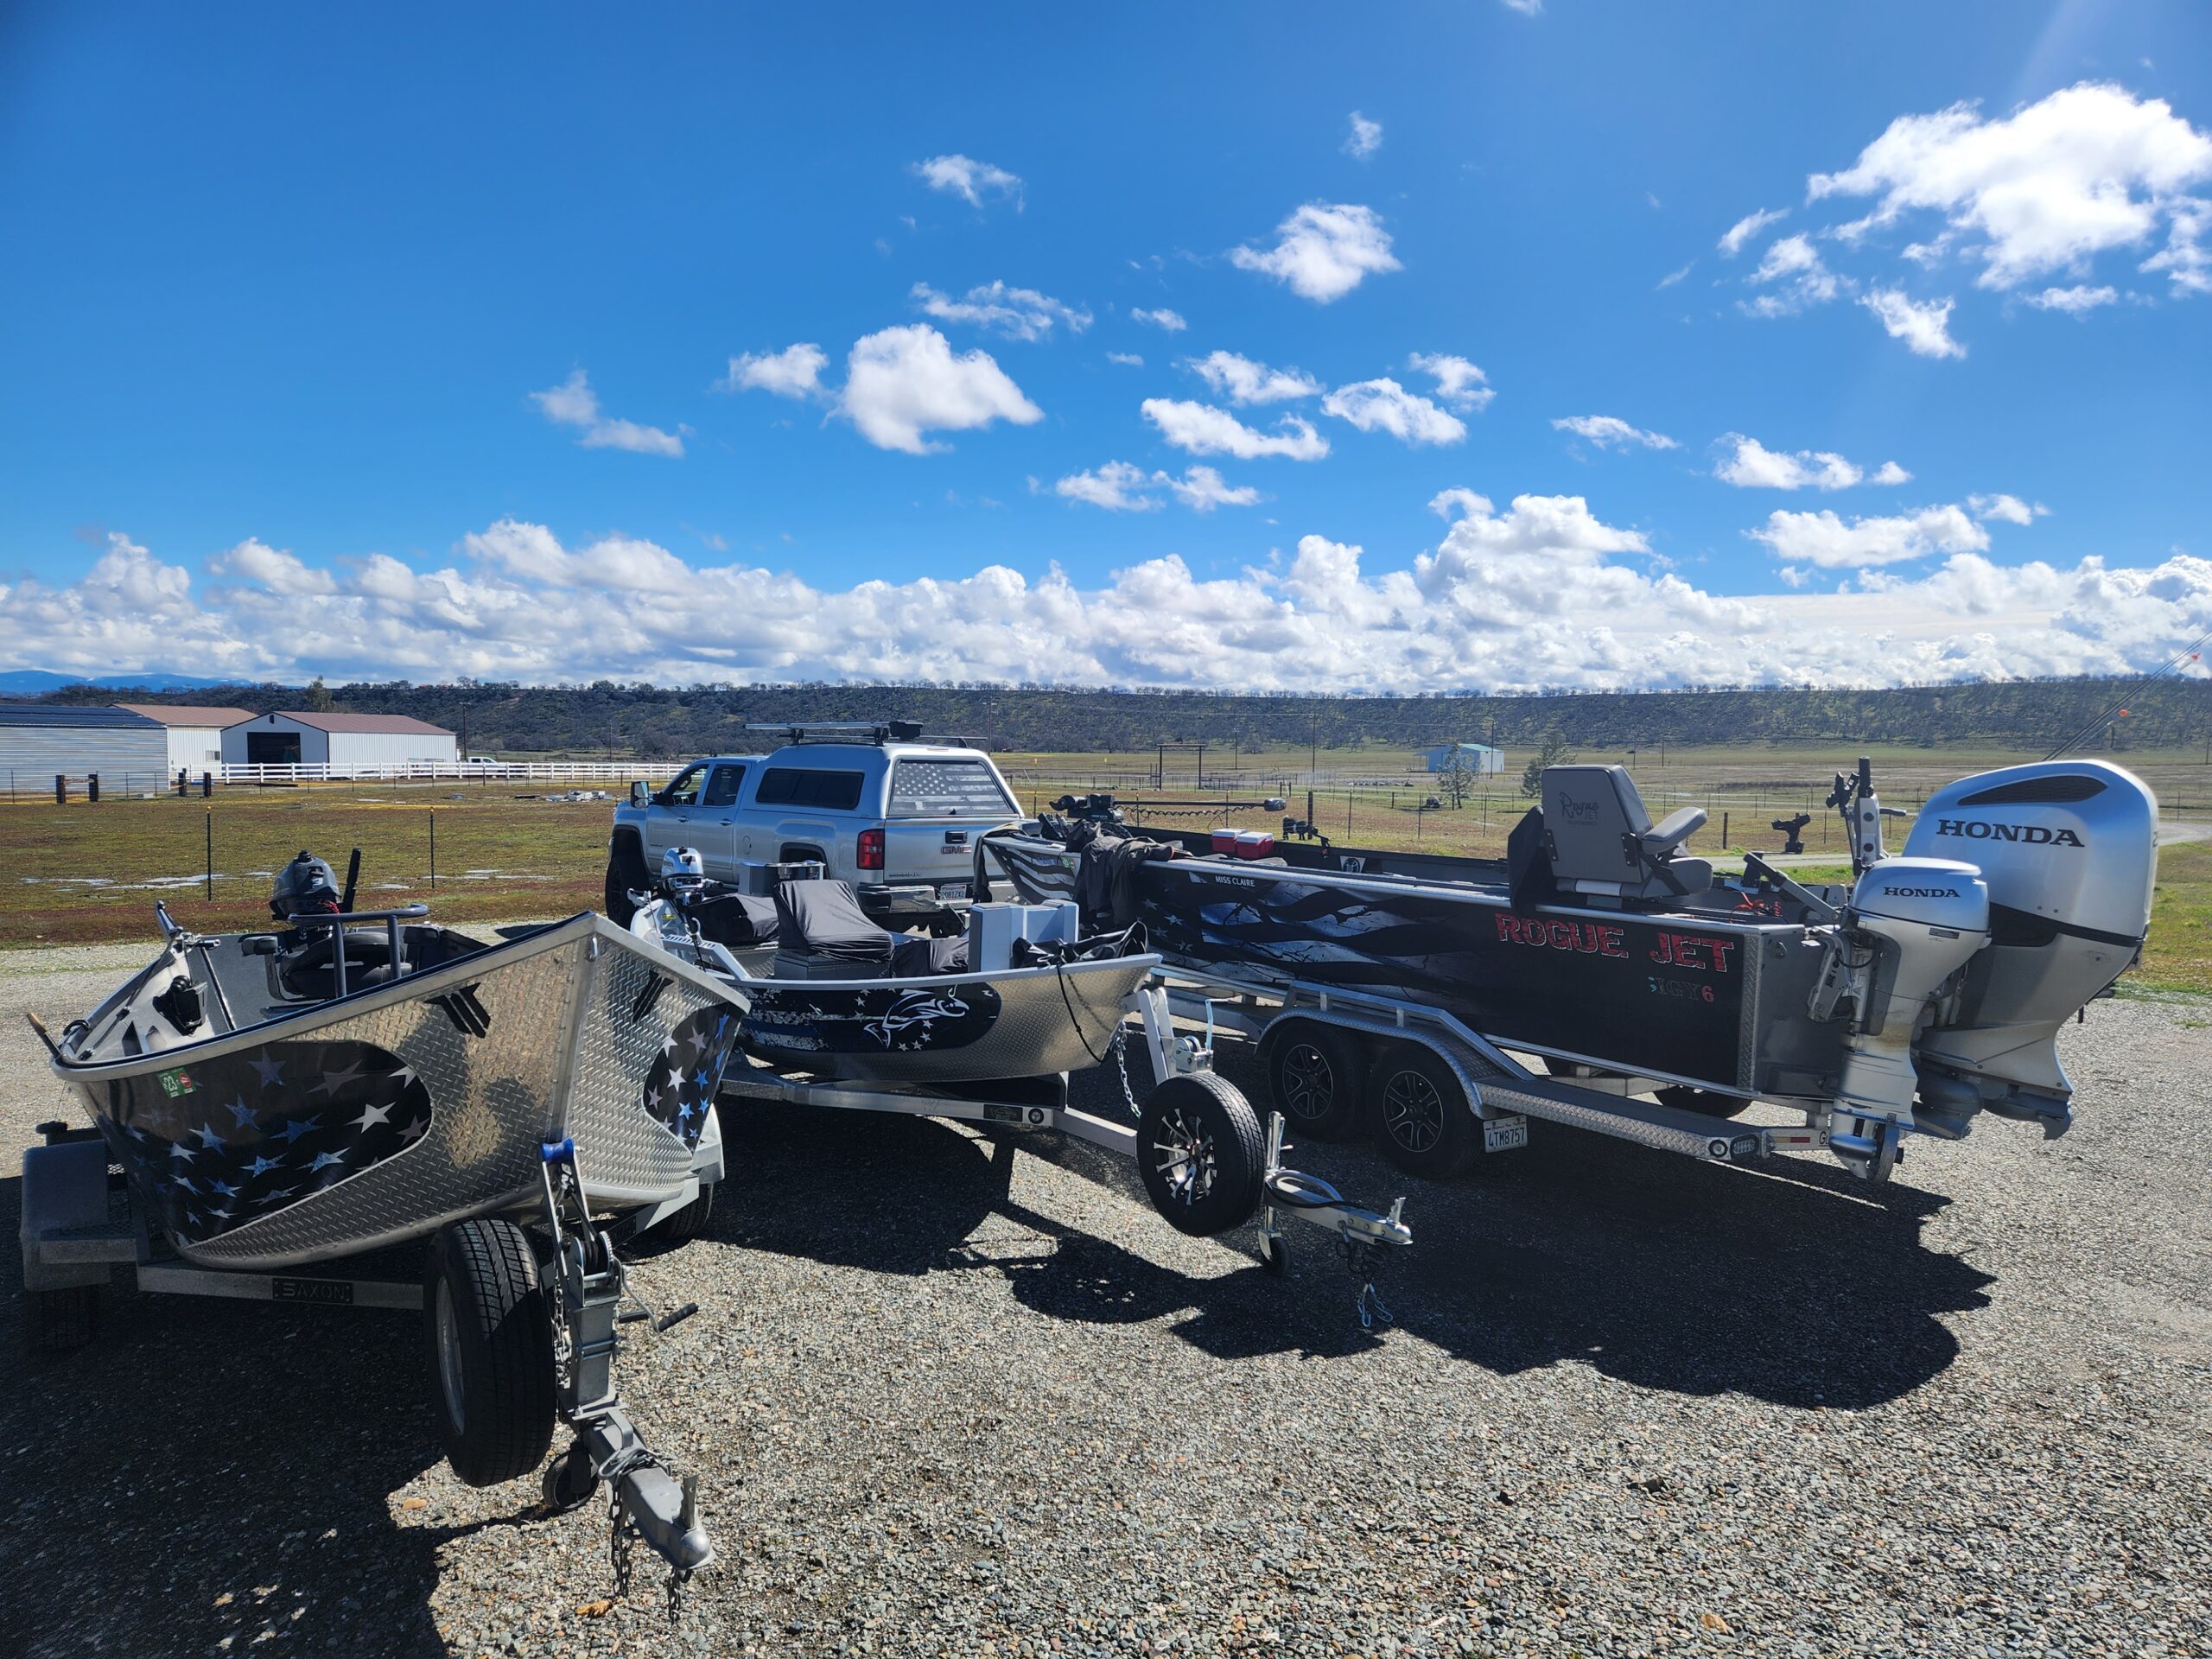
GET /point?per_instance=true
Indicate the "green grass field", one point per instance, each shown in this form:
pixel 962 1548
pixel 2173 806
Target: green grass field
pixel 84 874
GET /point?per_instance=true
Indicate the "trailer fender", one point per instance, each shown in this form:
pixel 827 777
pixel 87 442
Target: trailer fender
pixel 65 1193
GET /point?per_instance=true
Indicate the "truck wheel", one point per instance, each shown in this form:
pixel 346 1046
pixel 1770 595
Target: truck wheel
pixel 1422 1116
pixel 626 873
pixel 1313 1079
pixel 1706 1103
pixel 491 1349
pixel 1199 1151
pixel 63 1319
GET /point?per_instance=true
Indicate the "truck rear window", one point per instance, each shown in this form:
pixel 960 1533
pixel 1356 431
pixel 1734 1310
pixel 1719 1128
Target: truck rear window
pixel 928 788
pixel 831 792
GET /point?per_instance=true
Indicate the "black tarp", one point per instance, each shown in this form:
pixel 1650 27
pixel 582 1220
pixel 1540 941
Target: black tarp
pixel 824 920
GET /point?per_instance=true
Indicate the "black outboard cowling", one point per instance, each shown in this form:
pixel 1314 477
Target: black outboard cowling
pixel 306 886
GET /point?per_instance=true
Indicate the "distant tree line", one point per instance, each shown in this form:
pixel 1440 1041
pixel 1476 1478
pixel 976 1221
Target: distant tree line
pixel 661 721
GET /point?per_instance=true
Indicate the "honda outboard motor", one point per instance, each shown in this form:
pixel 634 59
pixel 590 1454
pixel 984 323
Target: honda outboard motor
pixel 306 886
pixel 2068 851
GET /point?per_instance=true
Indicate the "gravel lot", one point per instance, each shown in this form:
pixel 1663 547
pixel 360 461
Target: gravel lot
pixel 950 1401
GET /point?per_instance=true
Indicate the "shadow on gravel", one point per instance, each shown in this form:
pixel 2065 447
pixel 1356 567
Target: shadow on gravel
pixel 1794 1284
pixel 208 1476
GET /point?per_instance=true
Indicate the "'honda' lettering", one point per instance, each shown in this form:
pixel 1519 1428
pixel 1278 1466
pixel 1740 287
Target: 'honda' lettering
pixel 2036 834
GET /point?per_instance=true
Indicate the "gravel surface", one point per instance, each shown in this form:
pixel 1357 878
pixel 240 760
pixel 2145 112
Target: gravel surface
pixel 949 1398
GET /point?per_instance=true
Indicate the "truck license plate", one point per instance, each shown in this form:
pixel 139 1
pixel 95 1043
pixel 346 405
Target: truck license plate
pixel 1504 1134
pixel 952 890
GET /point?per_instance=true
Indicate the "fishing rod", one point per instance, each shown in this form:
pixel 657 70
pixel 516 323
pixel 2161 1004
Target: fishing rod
pixel 2118 705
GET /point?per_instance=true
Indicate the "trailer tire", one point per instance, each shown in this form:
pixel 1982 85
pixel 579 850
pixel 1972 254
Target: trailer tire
pixel 491 1351
pixel 1706 1103
pixel 1199 1151
pixel 63 1320
pixel 1314 1074
pixel 689 1222
pixel 1422 1117
pixel 626 873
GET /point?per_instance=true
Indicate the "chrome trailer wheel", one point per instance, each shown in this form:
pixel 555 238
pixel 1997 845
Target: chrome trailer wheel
pixel 1422 1116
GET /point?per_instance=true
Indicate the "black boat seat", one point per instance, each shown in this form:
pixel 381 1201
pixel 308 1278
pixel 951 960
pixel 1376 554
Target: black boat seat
pixel 914 958
pixel 1603 844
pixel 822 933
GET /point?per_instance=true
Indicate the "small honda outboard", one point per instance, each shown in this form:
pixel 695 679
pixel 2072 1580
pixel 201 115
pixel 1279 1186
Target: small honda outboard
pixel 306 886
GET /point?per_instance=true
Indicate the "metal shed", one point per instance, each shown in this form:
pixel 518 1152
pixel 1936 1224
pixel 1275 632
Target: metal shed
pixel 307 738
pixel 1481 758
pixel 37 740
pixel 195 731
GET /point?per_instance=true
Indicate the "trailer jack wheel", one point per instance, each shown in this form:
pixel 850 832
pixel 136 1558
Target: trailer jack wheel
pixel 570 1480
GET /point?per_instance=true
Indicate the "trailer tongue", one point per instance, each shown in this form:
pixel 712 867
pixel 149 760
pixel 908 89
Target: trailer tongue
pixel 1929 990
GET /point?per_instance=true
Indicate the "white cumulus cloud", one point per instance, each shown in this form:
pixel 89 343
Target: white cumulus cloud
pixel 1750 465
pixel 795 371
pixel 1167 321
pixel 1205 430
pixel 573 403
pixel 1243 381
pixel 1016 313
pixel 2007 509
pixel 1383 405
pixel 1127 359
pixel 2046 188
pixel 278 569
pixel 1120 487
pixel 1824 540
pixel 969 180
pixel 1794 277
pixel 1610 432
pixel 1459 383
pixel 2075 301
pixel 1543 594
pixel 903 383
pixel 1323 250
pixel 1365 137
pixel 1924 325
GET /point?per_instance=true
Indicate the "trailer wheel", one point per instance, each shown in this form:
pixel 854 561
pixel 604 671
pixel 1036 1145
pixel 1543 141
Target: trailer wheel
pixel 1314 1077
pixel 1199 1149
pixel 626 873
pixel 689 1222
pixel 491 1349
pixel 63 1319
pixel 1422 1117
pixel 1706 1103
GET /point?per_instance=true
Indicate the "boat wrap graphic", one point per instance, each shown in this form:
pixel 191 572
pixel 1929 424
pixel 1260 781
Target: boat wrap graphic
pixel 680 1088
pixel 217 1143
pixel 886 1018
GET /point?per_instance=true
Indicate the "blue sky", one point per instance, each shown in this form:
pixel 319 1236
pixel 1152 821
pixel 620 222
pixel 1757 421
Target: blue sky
pixel 295 310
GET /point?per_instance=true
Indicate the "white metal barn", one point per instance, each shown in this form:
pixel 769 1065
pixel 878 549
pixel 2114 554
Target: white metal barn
pixel 303 738
pixel 1480 758
pixel 195 731
pixel 38 740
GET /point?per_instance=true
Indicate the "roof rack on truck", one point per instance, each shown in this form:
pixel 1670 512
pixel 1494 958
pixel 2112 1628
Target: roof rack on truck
pixel 859 731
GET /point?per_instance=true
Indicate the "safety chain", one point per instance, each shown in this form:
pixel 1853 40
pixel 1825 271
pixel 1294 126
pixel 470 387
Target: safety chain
pixel 1119 1052
pixel 621 1541
pixel 677 1578
pixel 1360 1256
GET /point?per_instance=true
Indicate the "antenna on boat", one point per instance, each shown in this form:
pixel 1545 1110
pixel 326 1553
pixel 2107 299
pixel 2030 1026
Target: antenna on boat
pixel 352 880
pixel 2113 710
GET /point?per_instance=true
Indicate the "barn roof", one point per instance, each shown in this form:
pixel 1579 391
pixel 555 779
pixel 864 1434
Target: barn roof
pixel 331 720
pixel 187 714
pixel 67 715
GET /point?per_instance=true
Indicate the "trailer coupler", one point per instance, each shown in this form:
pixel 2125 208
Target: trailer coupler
pixel 1362 1234
pixel 644 1499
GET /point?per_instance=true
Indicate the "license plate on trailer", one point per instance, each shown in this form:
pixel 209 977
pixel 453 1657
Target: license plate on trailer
pixel 952 890
pixel 1504 1134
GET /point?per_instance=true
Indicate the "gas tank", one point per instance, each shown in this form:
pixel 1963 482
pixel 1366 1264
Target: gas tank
pixel 2069 842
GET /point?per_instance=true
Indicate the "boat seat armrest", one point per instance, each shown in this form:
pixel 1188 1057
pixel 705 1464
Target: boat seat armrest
pixel 1671 832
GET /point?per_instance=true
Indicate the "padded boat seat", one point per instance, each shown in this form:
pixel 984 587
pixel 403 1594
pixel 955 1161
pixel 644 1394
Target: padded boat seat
pixel 736 919
pixel 822 933
pixel 913 957
pixel 1602 842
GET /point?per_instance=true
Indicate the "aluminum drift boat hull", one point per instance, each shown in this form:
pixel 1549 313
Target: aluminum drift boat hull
pixel 304 1135
pixel 1021 1022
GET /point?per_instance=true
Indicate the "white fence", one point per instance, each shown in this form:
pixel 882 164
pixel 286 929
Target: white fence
pixel 559 772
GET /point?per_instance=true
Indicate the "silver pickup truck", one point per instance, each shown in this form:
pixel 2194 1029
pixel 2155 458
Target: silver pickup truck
pixel 878 809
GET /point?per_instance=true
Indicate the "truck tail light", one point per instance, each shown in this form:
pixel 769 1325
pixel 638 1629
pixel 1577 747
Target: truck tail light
pixel 870 853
